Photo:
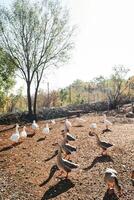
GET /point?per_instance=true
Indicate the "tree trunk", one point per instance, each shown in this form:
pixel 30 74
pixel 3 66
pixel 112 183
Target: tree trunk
pixel 35 100
pixel 29 100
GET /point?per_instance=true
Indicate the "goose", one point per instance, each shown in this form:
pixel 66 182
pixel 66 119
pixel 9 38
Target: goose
pixel 102 144
pixel 93 127
pixel 67 148
pixel 65 165
pixel 111 180
pixel 132 177
pixel 46 129
pixel 23 133
pixel 53 121
pixel 80 121
pixel 35 126
pixel 67 126
pixel 107 122
pixel 68 136
pixel 15 136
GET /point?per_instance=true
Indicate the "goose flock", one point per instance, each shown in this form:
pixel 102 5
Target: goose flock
pixel 66 149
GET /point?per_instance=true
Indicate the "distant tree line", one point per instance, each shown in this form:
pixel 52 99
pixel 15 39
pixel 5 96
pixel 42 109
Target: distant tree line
pixel 115 89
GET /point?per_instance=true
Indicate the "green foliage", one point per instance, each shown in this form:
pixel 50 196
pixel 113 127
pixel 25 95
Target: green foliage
pixel 98 89
pixel 63 95
pixel 7 70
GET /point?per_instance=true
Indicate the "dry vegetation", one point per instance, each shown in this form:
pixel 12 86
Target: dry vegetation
pixel 28 171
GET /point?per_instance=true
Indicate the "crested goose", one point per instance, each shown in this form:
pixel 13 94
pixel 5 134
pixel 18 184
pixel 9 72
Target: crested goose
pixel 64 165
pixel 23 133
pixel 111 180
pixel 102 144
pixel 15 136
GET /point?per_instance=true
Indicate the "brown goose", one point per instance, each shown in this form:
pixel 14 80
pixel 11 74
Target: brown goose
pixel 68 136
pixel 65 165
pixel 102 144
pixel 67 148
pixel 111 180
pixel 132 177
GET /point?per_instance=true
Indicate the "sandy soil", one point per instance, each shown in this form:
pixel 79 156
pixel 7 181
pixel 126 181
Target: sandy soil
pixel 28 170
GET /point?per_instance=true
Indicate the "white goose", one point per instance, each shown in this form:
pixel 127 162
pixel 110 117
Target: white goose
pixel 93 127
pixel 35 126
pixel 80 121
pixel 107 122
pixel 46 129
pixel 67 126
pixel 15 136
pixel 23 133
pixel 53 122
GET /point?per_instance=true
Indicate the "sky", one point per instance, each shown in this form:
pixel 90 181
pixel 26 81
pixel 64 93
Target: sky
pixel 105 38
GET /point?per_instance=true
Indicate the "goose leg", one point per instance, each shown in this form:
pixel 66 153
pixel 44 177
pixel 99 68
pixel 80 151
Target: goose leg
pixel 106 127
pixel 66 175
pixel 61 172
pixel 104 152
pixel 67 156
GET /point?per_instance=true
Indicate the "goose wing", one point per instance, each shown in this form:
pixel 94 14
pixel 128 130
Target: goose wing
pixel 15 137
pixel 105 145
pixel 69 164
pixel 70 137
pixel 69 148
pixel 110 170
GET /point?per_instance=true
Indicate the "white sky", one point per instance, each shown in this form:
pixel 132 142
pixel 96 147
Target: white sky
pixel 105 38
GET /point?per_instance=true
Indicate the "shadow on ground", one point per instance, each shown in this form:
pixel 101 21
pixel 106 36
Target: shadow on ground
pixel 41 139
pixel 59 188
pixel 10 146
pixel 99 159
pixel 110 195
pixel 106 130
pixel 51 157
pixel 53 169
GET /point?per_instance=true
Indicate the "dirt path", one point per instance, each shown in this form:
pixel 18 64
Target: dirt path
pixel 29 171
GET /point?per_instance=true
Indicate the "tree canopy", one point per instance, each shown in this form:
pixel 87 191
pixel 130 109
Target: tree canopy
pixel 37 37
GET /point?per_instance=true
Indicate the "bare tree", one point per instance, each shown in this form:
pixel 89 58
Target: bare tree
pixel 37 37
pixel 117 85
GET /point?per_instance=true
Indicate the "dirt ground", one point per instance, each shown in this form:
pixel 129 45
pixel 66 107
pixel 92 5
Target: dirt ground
pixel 28 170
